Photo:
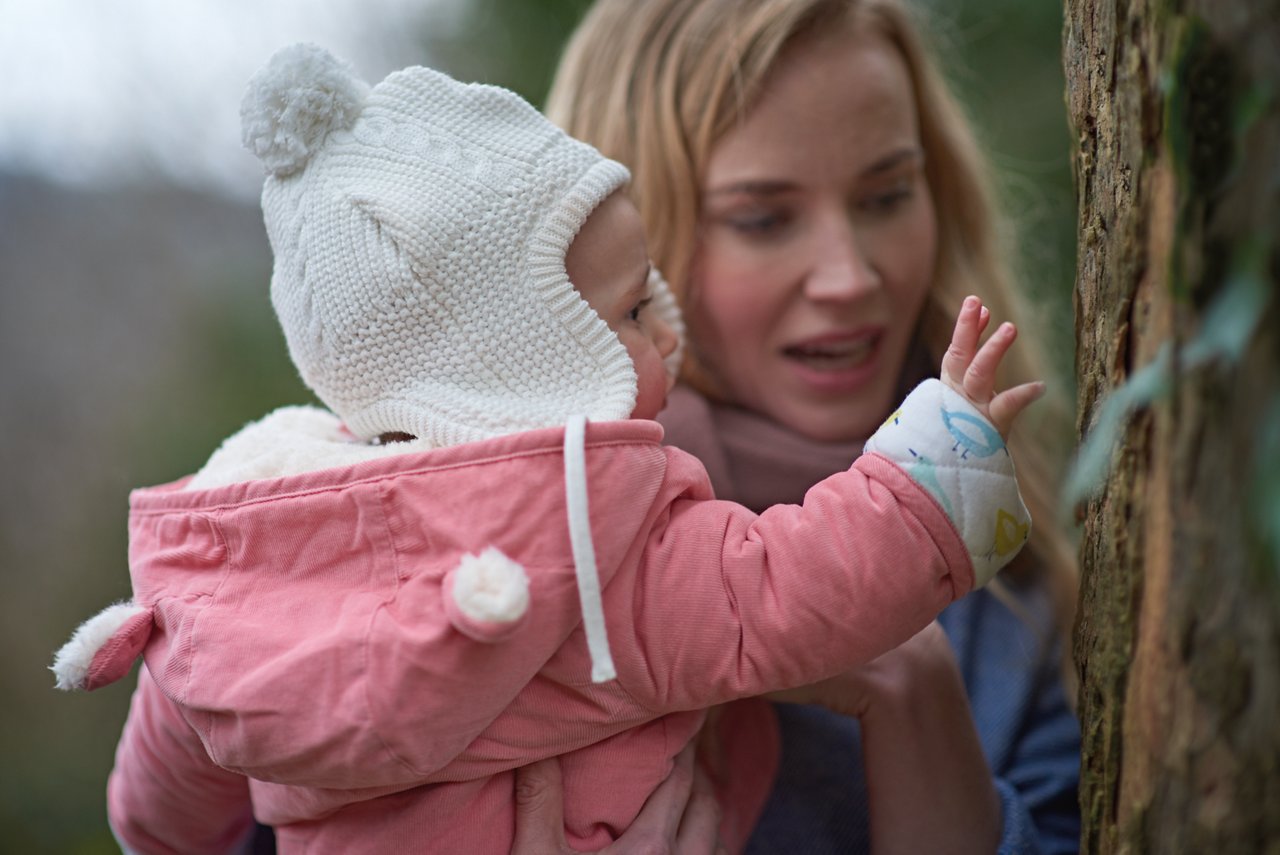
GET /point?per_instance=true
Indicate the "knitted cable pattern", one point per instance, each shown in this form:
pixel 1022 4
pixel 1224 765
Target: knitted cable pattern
pixel 419 230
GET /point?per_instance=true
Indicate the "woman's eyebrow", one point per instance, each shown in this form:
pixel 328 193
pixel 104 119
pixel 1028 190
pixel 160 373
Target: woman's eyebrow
pixel 777 187
pixel 753 187
pixel 894 159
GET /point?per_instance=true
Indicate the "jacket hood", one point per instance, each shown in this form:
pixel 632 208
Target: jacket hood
pixel 331 577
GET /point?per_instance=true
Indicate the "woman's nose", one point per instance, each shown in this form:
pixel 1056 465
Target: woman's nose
pixel 842 269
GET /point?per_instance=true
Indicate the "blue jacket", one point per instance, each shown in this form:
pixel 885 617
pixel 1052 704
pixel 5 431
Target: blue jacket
pixel 1029 734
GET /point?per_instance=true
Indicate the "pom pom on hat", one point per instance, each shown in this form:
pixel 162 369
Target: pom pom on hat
pixel 294 102
pixel 419 252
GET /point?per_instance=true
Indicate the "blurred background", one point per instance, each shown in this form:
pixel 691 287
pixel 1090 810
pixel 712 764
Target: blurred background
pixel 135 327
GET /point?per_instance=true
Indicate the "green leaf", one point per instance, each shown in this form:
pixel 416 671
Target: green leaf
pixel 1093 462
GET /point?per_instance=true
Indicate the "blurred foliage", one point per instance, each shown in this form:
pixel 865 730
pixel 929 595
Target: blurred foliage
pixel 235 370
pixel 1004 59
pixel 511 43
pixel 230 366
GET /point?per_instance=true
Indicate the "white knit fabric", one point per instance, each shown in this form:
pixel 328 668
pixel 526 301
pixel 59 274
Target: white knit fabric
pixel 419 230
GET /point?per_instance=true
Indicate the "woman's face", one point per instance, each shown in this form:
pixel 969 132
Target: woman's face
pixel 817 240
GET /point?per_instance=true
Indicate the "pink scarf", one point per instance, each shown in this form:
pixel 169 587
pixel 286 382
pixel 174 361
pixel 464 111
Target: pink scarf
pixel 752 459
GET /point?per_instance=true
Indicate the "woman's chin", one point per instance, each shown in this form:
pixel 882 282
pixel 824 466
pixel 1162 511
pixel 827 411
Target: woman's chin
pixel 839 406
pixel 828 423
pixel 831 378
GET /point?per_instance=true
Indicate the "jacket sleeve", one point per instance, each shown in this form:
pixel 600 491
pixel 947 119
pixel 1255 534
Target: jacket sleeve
pixel 164 794
pixel 729 604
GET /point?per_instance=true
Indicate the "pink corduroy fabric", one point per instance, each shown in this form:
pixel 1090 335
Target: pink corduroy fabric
pixel 302 640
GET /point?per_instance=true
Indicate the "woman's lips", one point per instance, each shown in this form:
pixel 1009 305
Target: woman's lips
pixel 837 362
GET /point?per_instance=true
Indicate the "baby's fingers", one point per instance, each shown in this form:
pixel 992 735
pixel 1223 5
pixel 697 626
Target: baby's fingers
pixel 1009 404
pixel 964 342
pixel 980 378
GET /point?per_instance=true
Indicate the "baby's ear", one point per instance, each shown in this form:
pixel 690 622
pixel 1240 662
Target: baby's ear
pixel 104 648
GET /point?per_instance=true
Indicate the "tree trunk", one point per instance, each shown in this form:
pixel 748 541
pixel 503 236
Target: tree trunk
pixel 1176 111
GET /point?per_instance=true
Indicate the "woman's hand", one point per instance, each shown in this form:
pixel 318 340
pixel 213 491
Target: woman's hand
pixel 928 783
pixel 922 664
pixel 681 817
pixel 971 371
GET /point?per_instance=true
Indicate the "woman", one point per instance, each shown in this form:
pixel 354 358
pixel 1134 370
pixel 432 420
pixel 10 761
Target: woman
pixel 816 199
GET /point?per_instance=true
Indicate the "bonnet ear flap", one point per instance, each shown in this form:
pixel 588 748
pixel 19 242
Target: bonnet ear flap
pixel 664 303
pixel 104 648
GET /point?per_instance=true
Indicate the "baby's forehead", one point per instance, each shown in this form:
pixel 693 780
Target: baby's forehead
pixel 616 220
pixel 609 250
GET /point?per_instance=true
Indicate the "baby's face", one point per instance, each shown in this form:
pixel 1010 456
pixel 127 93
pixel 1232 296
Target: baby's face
pixel 608 263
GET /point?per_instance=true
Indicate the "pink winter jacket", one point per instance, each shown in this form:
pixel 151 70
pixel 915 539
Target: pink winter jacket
pixel 303 659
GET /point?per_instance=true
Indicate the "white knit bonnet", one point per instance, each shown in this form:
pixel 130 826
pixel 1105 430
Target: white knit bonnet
pixel 419 229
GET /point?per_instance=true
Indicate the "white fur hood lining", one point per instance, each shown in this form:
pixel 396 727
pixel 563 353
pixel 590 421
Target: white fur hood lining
pixel 290 441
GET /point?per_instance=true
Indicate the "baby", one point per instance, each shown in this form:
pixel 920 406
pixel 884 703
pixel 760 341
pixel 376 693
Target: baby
pixel 357 624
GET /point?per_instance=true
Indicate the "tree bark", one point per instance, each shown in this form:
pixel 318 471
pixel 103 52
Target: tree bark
pixel 1176 111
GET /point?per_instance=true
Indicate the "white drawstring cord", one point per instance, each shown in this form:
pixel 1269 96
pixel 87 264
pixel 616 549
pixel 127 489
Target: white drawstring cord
pixel 584 551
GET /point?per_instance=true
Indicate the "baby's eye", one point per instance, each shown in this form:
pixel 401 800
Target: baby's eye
pixel 634 314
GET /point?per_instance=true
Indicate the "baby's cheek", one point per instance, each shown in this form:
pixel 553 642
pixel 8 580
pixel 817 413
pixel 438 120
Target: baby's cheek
pixel 651 383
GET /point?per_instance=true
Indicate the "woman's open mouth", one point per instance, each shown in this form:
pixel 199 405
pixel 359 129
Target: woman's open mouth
pixel 835 363
pixel 835 354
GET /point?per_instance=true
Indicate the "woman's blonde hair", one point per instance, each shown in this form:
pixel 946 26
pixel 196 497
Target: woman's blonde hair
pixel 656 85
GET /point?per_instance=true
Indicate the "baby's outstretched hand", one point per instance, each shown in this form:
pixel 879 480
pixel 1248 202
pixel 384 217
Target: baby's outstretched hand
pixel 970 370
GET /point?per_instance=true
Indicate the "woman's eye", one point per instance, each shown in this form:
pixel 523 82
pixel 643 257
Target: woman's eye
pixel 889 200
pixel 758 224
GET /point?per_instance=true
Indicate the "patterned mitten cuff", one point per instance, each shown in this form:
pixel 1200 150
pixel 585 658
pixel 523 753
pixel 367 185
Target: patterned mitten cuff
pixel 954 452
